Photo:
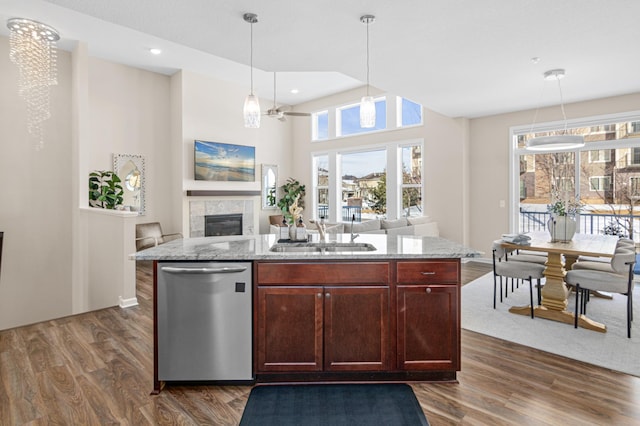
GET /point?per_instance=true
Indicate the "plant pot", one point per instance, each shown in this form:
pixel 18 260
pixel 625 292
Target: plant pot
pixel 561 228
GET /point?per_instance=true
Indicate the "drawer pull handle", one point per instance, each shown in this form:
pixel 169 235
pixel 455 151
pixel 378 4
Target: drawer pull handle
pixel 428 273
pixel 428 290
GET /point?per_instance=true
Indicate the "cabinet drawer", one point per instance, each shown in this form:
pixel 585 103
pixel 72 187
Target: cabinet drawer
pixel 322 273
pixel 420 272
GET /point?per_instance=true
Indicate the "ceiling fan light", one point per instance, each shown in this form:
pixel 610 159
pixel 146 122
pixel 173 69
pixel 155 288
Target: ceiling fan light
pixel 555 143
pixel 367 112
pixel 251 112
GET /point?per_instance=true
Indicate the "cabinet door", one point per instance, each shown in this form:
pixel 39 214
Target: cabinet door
pixel 428 327
pixel 289 329
pixel 356 328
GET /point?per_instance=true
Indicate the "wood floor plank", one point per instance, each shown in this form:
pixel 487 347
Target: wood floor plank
pixel 97 368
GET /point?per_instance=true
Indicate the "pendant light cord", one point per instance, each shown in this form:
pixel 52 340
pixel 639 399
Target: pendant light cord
pixel 251 57
pixel 564 116
pixel 367 58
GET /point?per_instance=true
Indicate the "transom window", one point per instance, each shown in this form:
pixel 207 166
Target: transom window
pixel 348 119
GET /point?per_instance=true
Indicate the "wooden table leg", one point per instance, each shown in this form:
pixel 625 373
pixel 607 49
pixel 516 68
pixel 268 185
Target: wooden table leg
pixel 554 298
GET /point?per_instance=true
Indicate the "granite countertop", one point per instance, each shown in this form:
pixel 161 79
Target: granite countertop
pixel 257 247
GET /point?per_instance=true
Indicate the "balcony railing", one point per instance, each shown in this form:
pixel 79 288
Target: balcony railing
pixel 588 223
pixel 347 212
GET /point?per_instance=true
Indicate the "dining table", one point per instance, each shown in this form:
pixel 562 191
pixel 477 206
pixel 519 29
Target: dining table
pixel 561 256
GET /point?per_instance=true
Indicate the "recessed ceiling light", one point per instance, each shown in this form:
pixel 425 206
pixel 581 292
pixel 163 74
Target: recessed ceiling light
pixel 295 91
pixel 155 51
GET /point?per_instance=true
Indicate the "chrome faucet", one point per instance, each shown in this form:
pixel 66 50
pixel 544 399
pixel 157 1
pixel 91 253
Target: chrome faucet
pixel 353 237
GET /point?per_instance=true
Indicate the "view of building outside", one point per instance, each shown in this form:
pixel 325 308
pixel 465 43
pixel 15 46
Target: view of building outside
pixel 412 180
pixel 606 180
pixel 361 174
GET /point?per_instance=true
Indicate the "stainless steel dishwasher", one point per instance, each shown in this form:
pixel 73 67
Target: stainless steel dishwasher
pixel 204 321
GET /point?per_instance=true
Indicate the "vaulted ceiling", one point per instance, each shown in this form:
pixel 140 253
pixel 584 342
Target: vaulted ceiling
pixel 462 58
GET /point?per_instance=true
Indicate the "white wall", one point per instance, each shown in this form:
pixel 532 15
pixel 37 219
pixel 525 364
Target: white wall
pixel 444 173
pixel 489 168
pixel 35 203
pixel 211 110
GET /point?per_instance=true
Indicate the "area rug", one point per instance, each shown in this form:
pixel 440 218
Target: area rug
pixel 333 404
pixel 611 350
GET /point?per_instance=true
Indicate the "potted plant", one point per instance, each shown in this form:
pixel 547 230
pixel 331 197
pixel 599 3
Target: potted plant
pixel 105 190
pixel 562 224
pixel 292 191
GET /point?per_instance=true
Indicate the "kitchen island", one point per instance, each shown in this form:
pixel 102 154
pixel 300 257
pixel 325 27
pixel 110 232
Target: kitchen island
pixel 384 308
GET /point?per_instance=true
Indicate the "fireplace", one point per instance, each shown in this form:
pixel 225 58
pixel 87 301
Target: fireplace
pixel 222 224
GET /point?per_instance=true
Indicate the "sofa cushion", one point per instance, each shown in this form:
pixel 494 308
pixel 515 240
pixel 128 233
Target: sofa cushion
pixel 418 220
pixel 397 223
pixel 366 226
pixel 402 230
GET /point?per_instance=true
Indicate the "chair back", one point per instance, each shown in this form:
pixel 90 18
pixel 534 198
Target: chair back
pixel 623 259
pixel 147 234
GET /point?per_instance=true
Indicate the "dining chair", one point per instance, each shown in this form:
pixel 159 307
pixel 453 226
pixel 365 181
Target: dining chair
pixel 622 242
pixel 613 277
pixel 514 269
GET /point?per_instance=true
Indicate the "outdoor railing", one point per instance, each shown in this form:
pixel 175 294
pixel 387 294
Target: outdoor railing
pixel 588 223
pixel 347 212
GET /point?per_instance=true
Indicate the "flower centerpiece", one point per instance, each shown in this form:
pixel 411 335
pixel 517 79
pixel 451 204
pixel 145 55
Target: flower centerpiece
pixel 562 224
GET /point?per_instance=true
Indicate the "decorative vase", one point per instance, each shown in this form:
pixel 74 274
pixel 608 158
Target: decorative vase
pixel 561 228
pixel 292 232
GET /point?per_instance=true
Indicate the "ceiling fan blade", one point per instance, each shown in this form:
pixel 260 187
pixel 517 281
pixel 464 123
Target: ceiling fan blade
pixel 297 114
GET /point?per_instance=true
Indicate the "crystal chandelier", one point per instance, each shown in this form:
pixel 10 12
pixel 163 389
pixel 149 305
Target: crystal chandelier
pixel 33 50
pixel 251 109
pixel 367 104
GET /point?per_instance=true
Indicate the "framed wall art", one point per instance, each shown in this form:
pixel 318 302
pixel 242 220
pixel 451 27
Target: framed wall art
pixel 215 161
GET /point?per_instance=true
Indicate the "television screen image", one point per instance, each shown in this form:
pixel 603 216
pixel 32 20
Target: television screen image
pixel 224 162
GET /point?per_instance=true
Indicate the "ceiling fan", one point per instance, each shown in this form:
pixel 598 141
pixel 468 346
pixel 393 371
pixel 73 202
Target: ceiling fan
pixel 281 111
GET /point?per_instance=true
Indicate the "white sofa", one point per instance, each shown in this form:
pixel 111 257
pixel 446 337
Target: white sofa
pixel 422 226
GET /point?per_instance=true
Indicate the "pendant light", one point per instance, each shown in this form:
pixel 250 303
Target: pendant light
pixel 556 142
pixel 251 109
pixel 367 104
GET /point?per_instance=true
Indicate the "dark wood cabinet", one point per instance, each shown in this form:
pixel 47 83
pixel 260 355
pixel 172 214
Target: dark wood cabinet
pixel 339 327
pixel 428 299
pixel 373 320
pixel 356 328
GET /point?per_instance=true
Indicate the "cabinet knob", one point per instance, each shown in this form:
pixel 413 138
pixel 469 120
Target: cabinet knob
pixel 327 295
pixel 319 295
pixel 428 289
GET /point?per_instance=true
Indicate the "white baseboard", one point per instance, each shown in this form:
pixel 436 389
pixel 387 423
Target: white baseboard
pixel 127 303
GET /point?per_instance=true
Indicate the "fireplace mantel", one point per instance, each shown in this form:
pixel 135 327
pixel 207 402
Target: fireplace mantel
pixel 221 193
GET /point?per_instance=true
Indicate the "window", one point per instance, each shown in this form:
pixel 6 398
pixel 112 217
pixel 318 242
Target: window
pixel 409 113
pixel 382 181
pixel 320 126
pixel 411 180
pixel 634 185
pixel 600 156
pixel 600 183
pixel 604 174
pixel 348 119
pixel 321 184
pixel 635 156
pixel 363 183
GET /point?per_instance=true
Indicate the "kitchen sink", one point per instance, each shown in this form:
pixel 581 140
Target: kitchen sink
pixel 321 247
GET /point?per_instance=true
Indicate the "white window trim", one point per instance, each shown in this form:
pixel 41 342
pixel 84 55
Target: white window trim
pixel 394 177
pixel 515 152
pixel 604 183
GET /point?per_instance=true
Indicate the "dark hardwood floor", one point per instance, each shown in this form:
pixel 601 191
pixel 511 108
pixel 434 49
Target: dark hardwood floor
pixel 96 368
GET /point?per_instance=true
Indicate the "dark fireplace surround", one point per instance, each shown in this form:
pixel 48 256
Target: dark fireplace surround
pixel 222 224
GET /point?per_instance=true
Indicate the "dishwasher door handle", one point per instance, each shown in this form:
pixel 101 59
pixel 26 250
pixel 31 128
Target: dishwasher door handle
pixel 222 270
